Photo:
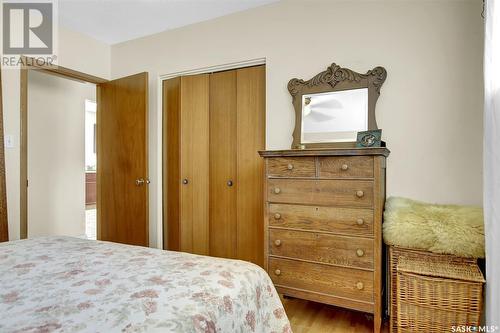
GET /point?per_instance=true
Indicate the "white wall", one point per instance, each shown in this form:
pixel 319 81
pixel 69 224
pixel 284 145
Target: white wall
pixel 77 52
pixel 430 108
pixel 431 104
pixel 56 155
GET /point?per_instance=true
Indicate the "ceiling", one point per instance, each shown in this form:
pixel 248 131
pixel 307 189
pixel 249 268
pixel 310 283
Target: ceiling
pixel 115 21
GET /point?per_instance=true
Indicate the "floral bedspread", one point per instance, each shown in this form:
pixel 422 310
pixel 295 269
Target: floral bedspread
pixel 66 284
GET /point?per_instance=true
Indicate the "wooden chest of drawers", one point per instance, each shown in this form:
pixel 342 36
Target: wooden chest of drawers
pixel 323 218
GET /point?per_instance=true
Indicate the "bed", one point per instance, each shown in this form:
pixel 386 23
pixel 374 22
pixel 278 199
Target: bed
pixel 65 284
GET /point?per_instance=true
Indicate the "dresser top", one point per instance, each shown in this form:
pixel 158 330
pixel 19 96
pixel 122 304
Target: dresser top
pixel 326 152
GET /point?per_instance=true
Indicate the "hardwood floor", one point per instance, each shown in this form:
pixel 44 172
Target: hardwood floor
pixel 311 317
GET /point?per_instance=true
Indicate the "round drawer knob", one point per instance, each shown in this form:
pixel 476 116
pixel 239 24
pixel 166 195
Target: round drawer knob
pixel 277 242
pixel 360 285
pixel 360 194
pixel 360 252
pixel 360 221
pixel 289 166
pixel 277 190
pixel 344 167
pixel 277 272
pixel 277 216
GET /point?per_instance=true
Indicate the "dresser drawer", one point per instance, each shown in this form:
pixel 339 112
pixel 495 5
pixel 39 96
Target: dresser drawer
pixel 352 193
pixel 336 281
pixel 345 221
pixel 291 167
pixel 323 248
pixel 348 166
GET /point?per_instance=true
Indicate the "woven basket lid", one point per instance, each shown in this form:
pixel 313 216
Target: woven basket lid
pixel 451 269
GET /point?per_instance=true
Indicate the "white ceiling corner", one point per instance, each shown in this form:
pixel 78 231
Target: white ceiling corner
pixel 116 21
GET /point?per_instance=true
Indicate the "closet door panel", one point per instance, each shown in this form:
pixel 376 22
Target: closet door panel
pixel 223 164
pixel 171 164
pixel 250 131
pixel 194 147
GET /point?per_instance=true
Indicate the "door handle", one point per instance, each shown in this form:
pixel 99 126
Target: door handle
pixel 185 181
pixel 229 183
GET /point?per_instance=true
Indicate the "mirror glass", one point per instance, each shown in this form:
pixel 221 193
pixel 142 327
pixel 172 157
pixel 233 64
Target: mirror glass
pixel 334 116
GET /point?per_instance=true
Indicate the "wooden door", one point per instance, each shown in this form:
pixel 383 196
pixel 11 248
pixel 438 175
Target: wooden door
pixel 4 227
pixel 194 164
pixel 213 192
pixel 171 163
pixel 223 181
pixel 250 129
pixel 122 155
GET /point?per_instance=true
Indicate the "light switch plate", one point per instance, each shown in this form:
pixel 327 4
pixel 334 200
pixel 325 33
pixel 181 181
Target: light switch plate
pixel 9 141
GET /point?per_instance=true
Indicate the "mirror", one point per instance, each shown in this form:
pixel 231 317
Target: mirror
pixel 334 117
pixel 333 106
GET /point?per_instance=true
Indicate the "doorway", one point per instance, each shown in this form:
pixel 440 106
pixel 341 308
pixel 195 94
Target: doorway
pixel 90 169
pixel 56 155
pixel 121 147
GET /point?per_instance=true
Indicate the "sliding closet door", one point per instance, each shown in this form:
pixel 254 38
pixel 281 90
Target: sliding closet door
pixel 171 163
pixel 194 159
pixel 213 175
pixel 250 129
pixel 223 182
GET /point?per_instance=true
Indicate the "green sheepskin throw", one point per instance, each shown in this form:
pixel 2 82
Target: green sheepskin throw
pixel 445 229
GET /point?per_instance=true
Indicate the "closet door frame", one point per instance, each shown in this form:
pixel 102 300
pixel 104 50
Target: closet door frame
pixel 161 190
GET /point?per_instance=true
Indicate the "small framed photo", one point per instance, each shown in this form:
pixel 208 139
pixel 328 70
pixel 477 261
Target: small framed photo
pixel 369 139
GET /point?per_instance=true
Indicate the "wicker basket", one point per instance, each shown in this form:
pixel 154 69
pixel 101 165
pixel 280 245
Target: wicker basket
pixel 434 295
pixel 394 254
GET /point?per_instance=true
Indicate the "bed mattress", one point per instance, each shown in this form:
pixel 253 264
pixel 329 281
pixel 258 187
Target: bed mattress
pixel 66 284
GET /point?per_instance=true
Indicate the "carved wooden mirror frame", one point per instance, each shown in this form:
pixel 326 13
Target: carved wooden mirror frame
pixel 4 229
pixel 335 78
